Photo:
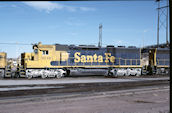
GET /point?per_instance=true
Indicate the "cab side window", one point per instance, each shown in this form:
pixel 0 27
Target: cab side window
pixel 32 58
pixel 36 51
pixel 44 52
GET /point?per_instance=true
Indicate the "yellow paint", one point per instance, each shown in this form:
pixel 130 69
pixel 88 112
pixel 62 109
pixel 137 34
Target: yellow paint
pixel 77 58
pixel 100 66
pixel 94 58
pixel 3 60
pixel 100 59
pixel 40 60
pixel 155 57
pixel 163 66
pixel 107 57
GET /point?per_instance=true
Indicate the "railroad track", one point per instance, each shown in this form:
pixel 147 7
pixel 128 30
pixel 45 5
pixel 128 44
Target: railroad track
pixel 139 96
pixel 137 89
pixel 80 88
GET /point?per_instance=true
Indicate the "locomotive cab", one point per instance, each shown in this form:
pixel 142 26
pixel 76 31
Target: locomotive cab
pixel 39 62
pixel 39 58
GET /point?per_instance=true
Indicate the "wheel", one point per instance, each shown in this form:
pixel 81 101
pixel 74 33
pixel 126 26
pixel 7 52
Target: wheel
pixel 127 74
pixel 115 73
pixel 13 75
pixel 137 75
pixel 67 72
pixel 29 76
pixel 59 75
pixel 106 74
pixel 43 76
pixel 17 75
pixel 2 73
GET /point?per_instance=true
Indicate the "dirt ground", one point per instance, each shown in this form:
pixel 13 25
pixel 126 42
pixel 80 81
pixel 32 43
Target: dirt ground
pixel 150 101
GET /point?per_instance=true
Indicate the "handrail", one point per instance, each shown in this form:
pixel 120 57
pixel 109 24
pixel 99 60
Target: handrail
pixel 118 61
pixel 163 61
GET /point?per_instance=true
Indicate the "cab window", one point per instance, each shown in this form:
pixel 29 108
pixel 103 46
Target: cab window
pixel 32 58
pixel 44 52
pixel 36 51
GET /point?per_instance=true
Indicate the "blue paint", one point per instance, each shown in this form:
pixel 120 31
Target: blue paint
pixel 117 52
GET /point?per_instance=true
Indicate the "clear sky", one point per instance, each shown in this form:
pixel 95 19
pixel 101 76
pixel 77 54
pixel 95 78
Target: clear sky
pixel 128 23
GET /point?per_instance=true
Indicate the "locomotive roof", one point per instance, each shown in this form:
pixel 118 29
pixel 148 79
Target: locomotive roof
pixel 66 47
pixel 163 49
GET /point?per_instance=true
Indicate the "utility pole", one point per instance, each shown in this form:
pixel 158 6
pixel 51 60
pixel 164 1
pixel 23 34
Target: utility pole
pixel 167 25
pixel 100 35
pixel 160 22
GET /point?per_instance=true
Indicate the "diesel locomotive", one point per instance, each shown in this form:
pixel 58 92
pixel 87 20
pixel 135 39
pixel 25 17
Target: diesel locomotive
pixel 159 60
pixel 58 60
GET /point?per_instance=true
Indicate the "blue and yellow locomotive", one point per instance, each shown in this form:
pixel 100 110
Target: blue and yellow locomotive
pixel 57 60
pixel 159 62
pixel 60 60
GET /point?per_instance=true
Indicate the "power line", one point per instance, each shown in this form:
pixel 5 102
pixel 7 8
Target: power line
pixel 15 43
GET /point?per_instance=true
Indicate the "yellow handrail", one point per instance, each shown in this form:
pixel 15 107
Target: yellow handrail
pixel 136 61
